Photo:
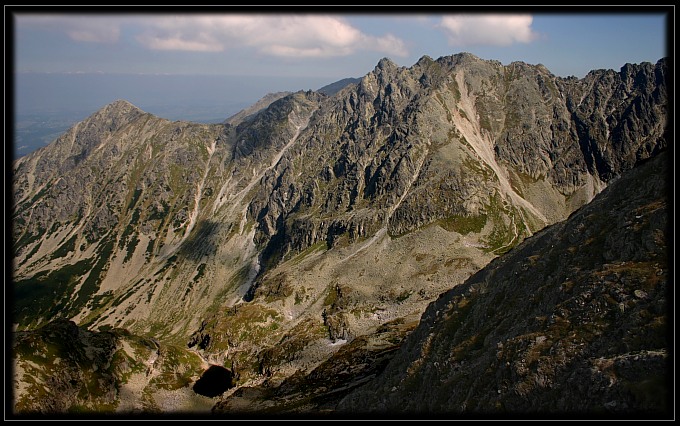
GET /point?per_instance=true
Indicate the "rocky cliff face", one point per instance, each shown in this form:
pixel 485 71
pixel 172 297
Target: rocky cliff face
pixel 445 139
pixel 573 320
pixel 269 241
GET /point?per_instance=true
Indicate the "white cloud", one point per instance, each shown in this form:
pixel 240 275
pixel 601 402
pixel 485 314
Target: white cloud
pixel 277 35
pixel 494 30
pixel 177 43
pixel 389 44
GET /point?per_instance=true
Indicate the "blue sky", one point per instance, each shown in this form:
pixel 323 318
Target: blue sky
pixel 331 46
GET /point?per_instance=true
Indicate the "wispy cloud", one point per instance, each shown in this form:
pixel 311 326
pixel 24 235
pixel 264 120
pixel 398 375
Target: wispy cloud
pixel 493 30
pixel 277 35
pixel 82 28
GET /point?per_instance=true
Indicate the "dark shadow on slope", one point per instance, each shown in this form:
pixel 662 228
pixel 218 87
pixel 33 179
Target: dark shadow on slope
pixel 202 241
pixel 271 255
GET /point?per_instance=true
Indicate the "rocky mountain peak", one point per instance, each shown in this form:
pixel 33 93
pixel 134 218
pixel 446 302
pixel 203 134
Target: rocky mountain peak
pixel 386 64
pixel 73 148
pixel 462 58
pixel 116 115
pixel 121 105
pixel 424 60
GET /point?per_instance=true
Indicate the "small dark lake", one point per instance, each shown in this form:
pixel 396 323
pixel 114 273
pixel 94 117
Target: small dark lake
pixel 213 382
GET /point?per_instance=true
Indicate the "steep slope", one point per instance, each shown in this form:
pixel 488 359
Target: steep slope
pixel 135 202
pixel 573 320
pixel 268 244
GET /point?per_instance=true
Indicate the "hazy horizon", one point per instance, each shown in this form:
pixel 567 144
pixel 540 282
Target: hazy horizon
pixel 47 104
pixel 46 92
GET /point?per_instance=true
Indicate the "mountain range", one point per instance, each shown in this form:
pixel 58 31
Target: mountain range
pixel 296 245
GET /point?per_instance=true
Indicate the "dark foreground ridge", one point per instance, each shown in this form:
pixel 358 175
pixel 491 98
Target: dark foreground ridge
pixel 573 322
